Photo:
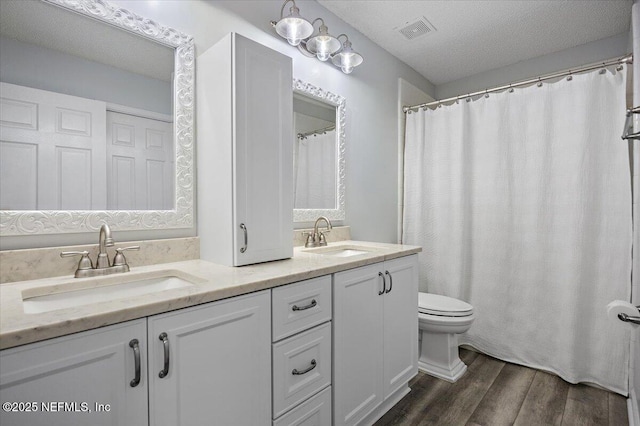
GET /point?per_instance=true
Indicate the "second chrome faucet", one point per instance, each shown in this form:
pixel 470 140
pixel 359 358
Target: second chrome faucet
pixel 103 266
pixel 317 238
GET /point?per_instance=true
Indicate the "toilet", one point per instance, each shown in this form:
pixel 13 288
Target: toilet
pixel 440 320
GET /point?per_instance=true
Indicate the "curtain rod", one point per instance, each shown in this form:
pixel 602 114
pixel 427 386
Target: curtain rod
pixel 628 59
pixel 315 132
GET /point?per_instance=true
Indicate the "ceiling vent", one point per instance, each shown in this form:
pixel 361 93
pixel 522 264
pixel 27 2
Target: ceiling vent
pixel 417 28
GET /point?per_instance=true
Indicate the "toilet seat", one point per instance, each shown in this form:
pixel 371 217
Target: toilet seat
pixel 436 304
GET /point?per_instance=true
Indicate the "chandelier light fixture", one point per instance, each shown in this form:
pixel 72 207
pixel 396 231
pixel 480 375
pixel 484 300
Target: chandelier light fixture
pixel 321 44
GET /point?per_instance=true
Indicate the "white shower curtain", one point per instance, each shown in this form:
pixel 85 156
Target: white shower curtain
pixel 522 204
pixel 315 176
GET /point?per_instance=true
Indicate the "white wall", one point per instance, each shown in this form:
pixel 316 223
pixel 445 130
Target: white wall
pixel 588 53
pixel 34 66
pixel 370 92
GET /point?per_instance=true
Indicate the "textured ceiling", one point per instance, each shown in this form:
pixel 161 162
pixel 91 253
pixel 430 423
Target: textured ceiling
pixel 52 27
pixel 476 36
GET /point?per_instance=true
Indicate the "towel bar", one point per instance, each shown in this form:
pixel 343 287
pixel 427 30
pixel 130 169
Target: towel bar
pixel 627 318
pixel 631 319
pixel 628 125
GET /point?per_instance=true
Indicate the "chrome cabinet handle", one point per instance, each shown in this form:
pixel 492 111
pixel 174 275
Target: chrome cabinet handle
pixel 134 344
pixel 305 307
pixel 165 343
pixel 295 371
pixel 390 281
pixel 384 284
pixel 246 238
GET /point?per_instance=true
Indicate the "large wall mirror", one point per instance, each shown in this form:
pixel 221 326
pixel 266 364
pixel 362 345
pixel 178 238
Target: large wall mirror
pixel 96 119
pixel 318 153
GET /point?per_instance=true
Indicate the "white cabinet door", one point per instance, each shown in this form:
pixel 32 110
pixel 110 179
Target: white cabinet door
pixel 55 144
pixel 219 366
pixel 375 336
pixel 263 185
pixel 81 379
pixel 357 344
pixel 245 152
pixel 400 322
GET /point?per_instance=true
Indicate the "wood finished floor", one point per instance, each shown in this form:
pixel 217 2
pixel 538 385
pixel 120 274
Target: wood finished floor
pixel 495 393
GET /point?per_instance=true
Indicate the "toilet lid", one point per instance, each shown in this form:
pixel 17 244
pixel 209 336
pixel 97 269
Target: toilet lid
pixel 436 304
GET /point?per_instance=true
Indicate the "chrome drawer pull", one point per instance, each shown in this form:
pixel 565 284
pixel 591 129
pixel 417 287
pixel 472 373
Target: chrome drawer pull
pixel 133 344
pixel 390 281
pixel 384 284
pixel 303 308
pixel 295 371
pixel 165 342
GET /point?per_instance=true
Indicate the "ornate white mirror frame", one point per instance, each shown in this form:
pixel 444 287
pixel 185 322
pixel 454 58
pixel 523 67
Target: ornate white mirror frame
pixel 22 222
pixel 314 92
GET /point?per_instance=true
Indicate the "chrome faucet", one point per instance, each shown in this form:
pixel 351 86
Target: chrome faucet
pixel 317 238
pixel 103 267
pixel 104 241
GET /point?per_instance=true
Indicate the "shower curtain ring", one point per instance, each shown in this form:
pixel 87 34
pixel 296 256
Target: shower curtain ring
pixel 539 82
pixel 569 77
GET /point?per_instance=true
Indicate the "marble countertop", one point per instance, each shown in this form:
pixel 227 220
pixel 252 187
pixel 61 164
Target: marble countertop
pixel 215 282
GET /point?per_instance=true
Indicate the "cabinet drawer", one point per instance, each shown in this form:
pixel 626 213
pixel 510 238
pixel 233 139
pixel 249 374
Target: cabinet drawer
pixel 297 307
pixel 301 367
pixel 314 412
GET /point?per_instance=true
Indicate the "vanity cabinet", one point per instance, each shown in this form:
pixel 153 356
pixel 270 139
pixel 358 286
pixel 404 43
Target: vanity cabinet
pixel 375 338
pixel 219 363
pixel 218 370
pixel 81 379
pixel 302 357
pixel 336 349
pixel 245 153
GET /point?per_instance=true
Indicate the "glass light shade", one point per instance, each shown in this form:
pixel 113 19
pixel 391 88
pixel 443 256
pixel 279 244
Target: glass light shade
pixel 323 44
pixel 294 27
pixel 346 70
pixel 347 59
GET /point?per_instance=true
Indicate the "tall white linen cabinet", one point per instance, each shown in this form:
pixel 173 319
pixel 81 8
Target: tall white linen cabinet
pixel 244 153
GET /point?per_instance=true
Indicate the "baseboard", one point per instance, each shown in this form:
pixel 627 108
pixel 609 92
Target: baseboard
pixel 387 405
pixel 633 408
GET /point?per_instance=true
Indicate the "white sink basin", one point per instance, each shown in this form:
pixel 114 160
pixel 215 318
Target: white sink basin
pixel 102 289
pixel 340 251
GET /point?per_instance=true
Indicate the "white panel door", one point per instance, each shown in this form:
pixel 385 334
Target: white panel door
pixel 400 322
pixel 67 377
pixel 140 163
pixel 53 151
pixel 219 370
pixel 357 343
pixel 263 153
